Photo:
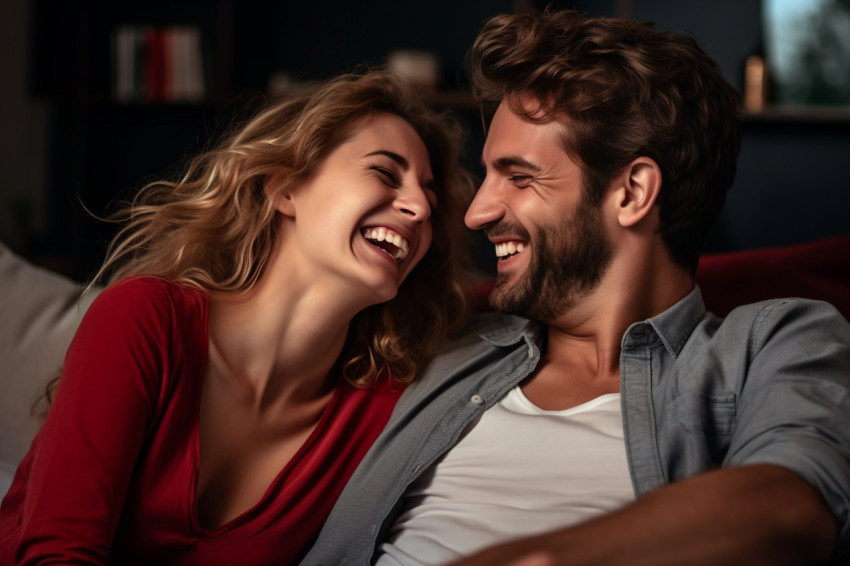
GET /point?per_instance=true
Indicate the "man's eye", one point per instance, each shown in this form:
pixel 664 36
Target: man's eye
pixel 520 180
pixel 387 176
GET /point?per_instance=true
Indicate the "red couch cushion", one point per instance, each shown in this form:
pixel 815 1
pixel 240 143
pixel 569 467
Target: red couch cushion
pixel 814 270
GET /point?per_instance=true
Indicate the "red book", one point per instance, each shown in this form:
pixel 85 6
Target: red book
pixel 154 87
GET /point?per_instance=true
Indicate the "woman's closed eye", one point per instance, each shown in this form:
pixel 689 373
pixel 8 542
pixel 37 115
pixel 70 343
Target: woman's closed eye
pixel 387 176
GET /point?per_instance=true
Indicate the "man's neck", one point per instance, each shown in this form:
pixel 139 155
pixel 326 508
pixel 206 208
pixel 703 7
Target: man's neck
pixel 582 356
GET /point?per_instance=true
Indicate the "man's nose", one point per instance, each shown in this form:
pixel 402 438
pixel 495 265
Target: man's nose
pixel 485 209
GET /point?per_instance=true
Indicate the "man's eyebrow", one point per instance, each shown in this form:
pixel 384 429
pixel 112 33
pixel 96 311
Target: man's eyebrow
pixel 392 155
pixel 514 161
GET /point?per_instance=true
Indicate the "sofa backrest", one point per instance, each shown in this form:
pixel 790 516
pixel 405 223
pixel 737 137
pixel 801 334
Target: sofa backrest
pixel 814 270
pixel 39 312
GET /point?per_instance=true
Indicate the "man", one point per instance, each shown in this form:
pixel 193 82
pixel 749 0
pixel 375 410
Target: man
pixel 621 424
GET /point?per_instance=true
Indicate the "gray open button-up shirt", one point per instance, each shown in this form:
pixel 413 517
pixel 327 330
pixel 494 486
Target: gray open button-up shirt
pixel 770 383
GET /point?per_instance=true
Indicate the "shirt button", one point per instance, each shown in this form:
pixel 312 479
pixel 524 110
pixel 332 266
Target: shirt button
pixel 477 399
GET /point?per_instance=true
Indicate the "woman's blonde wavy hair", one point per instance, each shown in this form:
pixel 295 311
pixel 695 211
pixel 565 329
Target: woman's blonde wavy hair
pixel 214 229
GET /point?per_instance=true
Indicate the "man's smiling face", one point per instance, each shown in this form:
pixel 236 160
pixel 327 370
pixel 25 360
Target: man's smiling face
pixel 550 240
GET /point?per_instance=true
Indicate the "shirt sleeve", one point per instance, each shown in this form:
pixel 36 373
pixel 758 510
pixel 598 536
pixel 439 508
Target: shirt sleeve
pixel 794 410
pixel 83 457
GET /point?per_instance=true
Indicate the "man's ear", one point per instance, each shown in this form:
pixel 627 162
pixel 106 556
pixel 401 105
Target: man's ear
pixel 280 193
pixel 639 188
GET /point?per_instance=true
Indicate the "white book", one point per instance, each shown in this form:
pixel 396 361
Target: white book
pixel 195 89
pixel 124 61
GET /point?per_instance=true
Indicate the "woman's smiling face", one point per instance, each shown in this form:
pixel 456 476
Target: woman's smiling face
pixel 363 215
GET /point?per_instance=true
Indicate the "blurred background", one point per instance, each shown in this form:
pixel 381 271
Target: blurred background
pixel 99 96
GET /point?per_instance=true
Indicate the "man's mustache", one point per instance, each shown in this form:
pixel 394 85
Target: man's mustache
pixel 507 229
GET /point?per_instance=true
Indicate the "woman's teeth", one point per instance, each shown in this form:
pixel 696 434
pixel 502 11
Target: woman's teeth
pixel 389 241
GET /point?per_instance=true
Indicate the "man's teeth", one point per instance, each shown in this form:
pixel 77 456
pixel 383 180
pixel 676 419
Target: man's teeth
pixel 509 248
pixel 391 242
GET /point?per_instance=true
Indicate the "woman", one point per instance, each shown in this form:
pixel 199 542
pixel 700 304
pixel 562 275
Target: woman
pixel 262 318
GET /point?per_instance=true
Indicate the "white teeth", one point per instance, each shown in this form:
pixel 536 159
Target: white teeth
pixel 382 234
pixel 509 248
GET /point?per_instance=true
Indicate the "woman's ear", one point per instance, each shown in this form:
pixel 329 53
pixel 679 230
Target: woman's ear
pixel 639 190
pixel 280 194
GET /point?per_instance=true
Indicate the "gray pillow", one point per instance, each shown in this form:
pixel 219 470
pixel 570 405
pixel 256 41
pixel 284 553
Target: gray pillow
pixel 39 313
pixel 7 472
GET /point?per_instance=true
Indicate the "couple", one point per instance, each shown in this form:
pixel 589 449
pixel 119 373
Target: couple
pixel 276 304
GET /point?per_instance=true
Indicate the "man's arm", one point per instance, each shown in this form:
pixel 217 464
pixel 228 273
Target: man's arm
pixel 758 514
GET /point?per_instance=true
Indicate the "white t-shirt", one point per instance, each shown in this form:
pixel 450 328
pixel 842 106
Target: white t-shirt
pixel 518 471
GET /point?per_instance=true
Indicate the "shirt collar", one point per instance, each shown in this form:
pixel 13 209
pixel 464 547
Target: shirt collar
pixel 675 325
pixel 516 330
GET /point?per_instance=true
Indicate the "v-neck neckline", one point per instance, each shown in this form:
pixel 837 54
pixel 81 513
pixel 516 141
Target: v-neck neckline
pixel 195 441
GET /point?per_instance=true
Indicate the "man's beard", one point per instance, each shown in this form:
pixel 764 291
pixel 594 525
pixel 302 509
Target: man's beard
pixel 568 261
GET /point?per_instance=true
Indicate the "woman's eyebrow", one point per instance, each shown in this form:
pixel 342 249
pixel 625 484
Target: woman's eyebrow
pixel 392 155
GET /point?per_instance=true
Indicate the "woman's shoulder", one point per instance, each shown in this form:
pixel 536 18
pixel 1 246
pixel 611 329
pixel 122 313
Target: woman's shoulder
pixel 150 289
pixel 142 284
pixel 144 296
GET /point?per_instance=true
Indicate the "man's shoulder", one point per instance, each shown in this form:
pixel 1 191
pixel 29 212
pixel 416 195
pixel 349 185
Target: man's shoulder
pixel 773 324
pixel 691 334
pixel 785 312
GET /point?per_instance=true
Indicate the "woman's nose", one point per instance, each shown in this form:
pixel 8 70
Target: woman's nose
pixel 413 202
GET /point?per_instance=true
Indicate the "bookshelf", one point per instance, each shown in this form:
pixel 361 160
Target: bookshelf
pixel 133 89
pixel 117 119
pixel 76 43
pixel 157 63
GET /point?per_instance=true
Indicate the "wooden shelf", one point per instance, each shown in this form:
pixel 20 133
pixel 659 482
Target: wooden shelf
pixel 800 115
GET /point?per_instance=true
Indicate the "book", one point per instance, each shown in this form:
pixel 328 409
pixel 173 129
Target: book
pixel 157 64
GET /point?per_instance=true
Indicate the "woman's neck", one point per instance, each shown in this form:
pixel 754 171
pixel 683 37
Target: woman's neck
pixel 283 337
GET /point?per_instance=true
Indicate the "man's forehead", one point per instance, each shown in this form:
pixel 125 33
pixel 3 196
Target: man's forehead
pixel 517 136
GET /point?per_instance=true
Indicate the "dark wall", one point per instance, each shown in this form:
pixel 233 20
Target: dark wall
pixel 791 186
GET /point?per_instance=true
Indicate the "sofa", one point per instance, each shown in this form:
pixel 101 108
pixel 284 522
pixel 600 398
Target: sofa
pixel 40 311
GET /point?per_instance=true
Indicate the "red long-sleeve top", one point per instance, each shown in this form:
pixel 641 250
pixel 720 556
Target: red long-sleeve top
pixel 111 476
